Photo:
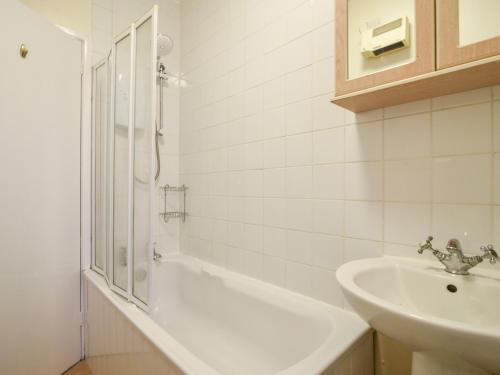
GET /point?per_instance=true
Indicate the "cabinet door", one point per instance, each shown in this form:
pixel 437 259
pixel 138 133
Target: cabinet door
pixel 355 19
pixel 468 30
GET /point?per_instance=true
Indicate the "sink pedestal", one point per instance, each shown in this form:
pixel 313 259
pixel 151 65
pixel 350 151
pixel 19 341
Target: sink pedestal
pixel 426 364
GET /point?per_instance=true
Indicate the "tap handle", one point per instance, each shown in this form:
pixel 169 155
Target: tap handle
pixel 490 253
pixel 426 245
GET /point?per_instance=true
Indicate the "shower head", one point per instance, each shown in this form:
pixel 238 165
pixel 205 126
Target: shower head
pixel 165 45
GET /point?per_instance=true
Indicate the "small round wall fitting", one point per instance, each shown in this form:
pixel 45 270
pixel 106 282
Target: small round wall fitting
pixel 23 51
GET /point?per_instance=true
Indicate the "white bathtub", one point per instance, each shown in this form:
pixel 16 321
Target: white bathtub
pixel 207 320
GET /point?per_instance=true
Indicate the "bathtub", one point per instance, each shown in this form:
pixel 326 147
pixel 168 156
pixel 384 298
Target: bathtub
pixel 207 320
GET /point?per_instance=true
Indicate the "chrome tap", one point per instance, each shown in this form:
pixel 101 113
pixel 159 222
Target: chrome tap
pixel 454 260
pixel 156 255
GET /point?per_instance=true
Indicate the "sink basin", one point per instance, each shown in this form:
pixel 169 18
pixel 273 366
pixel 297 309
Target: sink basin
pixel 451 322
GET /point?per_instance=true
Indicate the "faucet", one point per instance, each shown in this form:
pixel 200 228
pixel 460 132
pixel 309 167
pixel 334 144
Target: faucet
pixel 454 260
pixel 156 255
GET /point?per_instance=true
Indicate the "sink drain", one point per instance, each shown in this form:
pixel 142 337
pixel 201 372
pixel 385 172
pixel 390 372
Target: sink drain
pixel 452 288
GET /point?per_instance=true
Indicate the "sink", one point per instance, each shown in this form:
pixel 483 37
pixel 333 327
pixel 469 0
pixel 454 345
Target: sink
pixel 451 322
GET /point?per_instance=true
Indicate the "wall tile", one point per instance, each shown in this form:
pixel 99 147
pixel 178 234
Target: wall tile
pixel 496 226
pixel 408 108
pixel 323 12
pixel 462 130
pixel 364 220
pixel 364 181
pixel 326 114
pixel 274 93
pixel 274 212
pixel 328 217
pixel 462 98
pixel 299 246
pixel 323 77
pixel 298 85
pixel 360 249
pixel 469 223
pixel 327 251
pixel 408 180
pixel 299 150
pixel 328 181
pixel 323 40
pixel 406 223
pixel 253 183
pixel 455 179
pixel 253 237
pixel 274 153
pixel 275 34
pixel 497 179
pixel 325 287
pixel 254 155
pixel 299 182
pixel 328 146
pixel 362 117
pixel 364 142
pixel 496 92
pixel 299 21
pixel 299 117
pixel 274 270
pixel 273 183
pixel 274 123
pixel 496 125
pixel 299 214
pixel 407 137
pixel 274 241
pixel 299 277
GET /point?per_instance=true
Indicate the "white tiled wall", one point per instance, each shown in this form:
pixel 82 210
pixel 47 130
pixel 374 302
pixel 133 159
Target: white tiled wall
pixel 285 186
pixel 111 17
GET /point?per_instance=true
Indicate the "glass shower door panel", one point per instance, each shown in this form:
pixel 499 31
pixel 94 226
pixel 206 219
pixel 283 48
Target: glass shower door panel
pixel 143 156
pixel 121 162
pixel 100 131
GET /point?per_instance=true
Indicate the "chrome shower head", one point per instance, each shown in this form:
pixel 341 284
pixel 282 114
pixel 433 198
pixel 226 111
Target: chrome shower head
pixel 165 45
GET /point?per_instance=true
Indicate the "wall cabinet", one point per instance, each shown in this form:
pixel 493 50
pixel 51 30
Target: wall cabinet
pixel 393 51
pixel 467 30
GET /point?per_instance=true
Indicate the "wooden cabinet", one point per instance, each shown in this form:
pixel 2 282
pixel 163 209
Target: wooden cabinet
pixel 355 72
pixel 461 53
pixel 467 30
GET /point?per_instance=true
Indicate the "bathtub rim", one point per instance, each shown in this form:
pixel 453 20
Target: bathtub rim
pixel 348 329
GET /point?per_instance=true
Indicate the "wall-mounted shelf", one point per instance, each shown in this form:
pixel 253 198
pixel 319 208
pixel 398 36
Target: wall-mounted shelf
pixel 167 215
pixel 469 76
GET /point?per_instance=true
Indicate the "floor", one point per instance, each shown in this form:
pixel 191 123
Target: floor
pixel 80 368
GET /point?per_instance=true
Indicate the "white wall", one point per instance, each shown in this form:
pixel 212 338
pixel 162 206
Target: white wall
pixel 285 186
pixel 109 18
pixel 74 15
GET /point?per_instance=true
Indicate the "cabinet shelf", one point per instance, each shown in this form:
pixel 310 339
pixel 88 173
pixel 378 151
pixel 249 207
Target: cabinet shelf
pixel 469 76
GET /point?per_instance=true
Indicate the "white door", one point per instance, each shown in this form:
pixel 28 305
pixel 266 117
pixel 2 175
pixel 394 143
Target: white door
pixel 39 194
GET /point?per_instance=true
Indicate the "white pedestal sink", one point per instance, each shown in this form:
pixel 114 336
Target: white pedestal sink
pixel 452 322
